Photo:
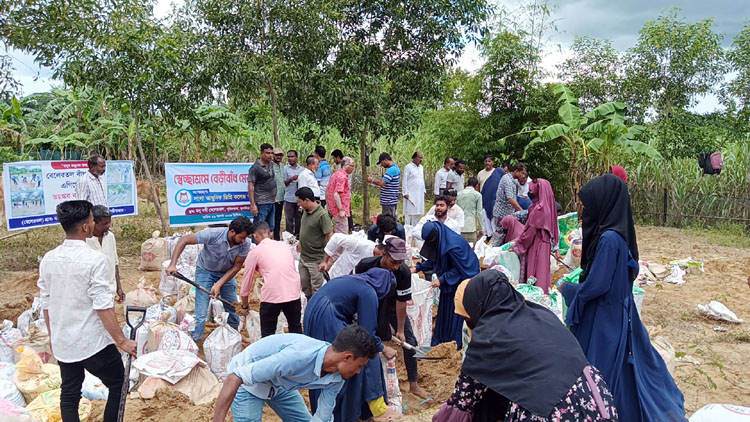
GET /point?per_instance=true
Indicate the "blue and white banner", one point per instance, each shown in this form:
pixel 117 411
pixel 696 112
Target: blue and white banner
pixel 34 188
pixel 205 193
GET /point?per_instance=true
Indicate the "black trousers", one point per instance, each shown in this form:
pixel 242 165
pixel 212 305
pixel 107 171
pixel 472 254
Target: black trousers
pixel 269 316
pixel 293 217
pixel 277 220
pixel 105 365
pixel 412 373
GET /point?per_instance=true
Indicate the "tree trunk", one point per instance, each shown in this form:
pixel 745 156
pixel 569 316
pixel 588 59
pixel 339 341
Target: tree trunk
pixel 153 157
pixel 272 95
pixel 365 185
pixel 144 164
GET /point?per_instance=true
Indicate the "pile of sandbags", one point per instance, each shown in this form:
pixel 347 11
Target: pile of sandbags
pixel 37 340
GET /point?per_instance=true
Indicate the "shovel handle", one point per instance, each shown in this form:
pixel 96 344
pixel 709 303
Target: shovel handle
pixel 137 309
pixel 403 344
pixel 201 288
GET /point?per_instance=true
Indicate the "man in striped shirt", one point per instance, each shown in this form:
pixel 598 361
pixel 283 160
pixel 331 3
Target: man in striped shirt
pixel 389 185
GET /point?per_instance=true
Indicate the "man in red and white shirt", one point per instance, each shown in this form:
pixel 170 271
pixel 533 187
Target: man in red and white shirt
pixel 79 313
pixel 338 196
pixel 281 286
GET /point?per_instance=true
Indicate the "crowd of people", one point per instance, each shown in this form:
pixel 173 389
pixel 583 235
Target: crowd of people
pixel 521 363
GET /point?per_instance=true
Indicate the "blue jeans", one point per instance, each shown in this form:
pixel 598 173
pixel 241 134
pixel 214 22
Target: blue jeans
pixel 288 405
pixel 228 291
pixel 267 213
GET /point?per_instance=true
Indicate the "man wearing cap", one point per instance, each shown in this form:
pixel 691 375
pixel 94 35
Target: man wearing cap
pixel 389 185
pixel 279 176
pixel 261 187
pixel 392 308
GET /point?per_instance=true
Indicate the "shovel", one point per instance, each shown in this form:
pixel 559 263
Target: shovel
pixel 419 352
pixel 203 289
pixel 559 261
pixel 126 382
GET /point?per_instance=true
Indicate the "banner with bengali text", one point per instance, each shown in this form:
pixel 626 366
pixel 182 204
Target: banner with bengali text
pixel 32 190
pixel 206 193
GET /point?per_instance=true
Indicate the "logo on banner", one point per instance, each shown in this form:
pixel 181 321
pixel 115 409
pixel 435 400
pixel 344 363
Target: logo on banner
pixel 183 198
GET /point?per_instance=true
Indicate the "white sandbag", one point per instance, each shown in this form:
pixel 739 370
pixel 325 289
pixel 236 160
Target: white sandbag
pixel 170 285
pixel 178 340
pixel 187 324
pixel 10 411
pixel 153 253
pixel 718 310
pixel 573 257
pixel 215 309
pixel 153 313
pixel 221 346
pixel 30 315
pixel 9 391
pixel 141 338
pixel 171 366
pixel 252 325
pixel 666 351
pixel 144 296
pixel 185 306
pixel 7 370
pixel 721 413
pixel 391 384
pixel 506 258
pixel 8 337
pixel 158 329
pixel 419 309
pixel 93 388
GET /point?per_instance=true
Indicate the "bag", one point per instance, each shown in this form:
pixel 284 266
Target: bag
pixel 38 341
pixel 48 379
pixel 171 366
pixel 638 296
pixel 221 346
pixel 170 285
pixel 141 339
pixel 29 364
pixel 93 388
pixel 573 258
pixel 144 295
pixel 10 411
pixel 154 312
pixel 8 337
pixel 717 162
pixel 419 309
pixel 158 329
pixel 721 413
pixel 711 163
pixel 666 351
pixel 185 306
pixel 153 253
pixel 391 384
pixel 252 324
pixel 10 392
pixel 28 316
pixel 7 370
pixel 566 224
pixel 46 407
pixel 178 340
pixel 200 385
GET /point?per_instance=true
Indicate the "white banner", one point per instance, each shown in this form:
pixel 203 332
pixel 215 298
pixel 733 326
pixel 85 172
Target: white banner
pixel 34 188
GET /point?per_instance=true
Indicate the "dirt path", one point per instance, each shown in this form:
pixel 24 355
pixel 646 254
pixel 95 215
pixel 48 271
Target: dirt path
pixel 722 376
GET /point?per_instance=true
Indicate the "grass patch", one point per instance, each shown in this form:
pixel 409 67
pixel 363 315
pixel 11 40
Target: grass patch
pixel 725 234
pixel 742 336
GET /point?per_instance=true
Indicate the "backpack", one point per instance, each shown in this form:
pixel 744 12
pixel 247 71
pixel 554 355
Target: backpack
pixel 717 163
pixel 711 163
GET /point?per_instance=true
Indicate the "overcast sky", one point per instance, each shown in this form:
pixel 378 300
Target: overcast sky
pixel 617 20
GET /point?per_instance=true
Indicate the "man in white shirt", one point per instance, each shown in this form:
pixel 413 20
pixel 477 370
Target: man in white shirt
pixel 454 211
pixel 103 241
pixel 344 251
pixel 486 172
pixel 456 179
pixel 92 186
pixel 439 213
pixel 79 313
pixel 441 177
pixel 413 189
pixel 307 179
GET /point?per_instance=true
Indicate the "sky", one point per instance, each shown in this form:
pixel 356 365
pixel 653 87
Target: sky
pixel 618 21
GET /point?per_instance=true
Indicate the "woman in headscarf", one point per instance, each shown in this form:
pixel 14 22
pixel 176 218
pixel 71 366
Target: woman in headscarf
pixel 452 260
pixel 619 172
pixel 539 234
pixel 332 308
pixel 602 314
pixel 522 364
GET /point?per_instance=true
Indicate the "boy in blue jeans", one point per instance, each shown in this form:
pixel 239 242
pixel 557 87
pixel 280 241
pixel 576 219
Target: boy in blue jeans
pixel 273 369
pixel 223 254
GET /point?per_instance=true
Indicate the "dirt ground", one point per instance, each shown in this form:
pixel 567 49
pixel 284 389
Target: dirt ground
pixel 721 375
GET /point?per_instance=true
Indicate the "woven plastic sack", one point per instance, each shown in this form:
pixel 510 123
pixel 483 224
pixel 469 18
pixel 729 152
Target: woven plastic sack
pixel 9 391
pixel 170 285
pixel 8 337
pixel 221 346
pixel 46 407
pixel 178 340
pixel 566 224
pixel 721 413
pixel 171 366
pixel 252 325
pixel 419 309
pixel 153 313
pixel 141 339
pixel 37 340
pixel 48 379
pixel 391 383
pixel 144 295
pixel 153 253
pixel 30 315
pixel 7 370
pixel 185 306
pixel 157 330
pixel 10 411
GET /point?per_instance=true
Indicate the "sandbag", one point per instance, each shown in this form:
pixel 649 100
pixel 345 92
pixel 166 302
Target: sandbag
pixel 29 364
pixel 157 329
pixel 30 315
pixel 666 351
pixel 48 379
pixel 185 306
pixel 46 407
pixel 141 339
pixel 38 341
pixel 171 366
pixel 7 370
pixel 9 391
pixel 10 411
pixel 638 296
pixel 200 385
pixel 573 257
pixel 93 388
pixel 153 313
pixel 8 337
pixel 252 324
pixel 566 224
pixel 721 413
pixel 144 296
pixel 170 285
pixel 189 255
pixel 153 253
pixel 221 346
pixel 419 309
pixel 391 384
pixel 177 340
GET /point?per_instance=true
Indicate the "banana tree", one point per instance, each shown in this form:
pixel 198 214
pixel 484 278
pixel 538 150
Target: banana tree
pixel 12 124
pixel 63 143
pixel 594 135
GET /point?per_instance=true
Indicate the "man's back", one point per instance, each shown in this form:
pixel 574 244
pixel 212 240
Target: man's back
pixel 275 262
pixel 470 202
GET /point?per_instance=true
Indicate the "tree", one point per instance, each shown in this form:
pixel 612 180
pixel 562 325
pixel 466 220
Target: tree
pixel 735 94
pixel 674 62
pixel 388 60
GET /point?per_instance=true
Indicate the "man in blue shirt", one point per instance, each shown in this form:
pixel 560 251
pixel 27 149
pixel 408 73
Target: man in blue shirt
pixel 389 186
pixel 223 254
pixel 274 368
pixel 323 175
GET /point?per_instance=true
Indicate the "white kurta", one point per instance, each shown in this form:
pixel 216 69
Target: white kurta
pixel 412 184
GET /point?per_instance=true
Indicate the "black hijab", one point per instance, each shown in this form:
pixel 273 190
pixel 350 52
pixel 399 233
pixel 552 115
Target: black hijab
pixel 606 202
pixel 518 349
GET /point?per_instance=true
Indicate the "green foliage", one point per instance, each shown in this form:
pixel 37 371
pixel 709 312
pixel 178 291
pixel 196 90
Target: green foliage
pixel 735 94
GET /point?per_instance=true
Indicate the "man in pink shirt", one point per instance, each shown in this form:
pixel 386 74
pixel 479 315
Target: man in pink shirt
pixel 281 287
pixel 338 196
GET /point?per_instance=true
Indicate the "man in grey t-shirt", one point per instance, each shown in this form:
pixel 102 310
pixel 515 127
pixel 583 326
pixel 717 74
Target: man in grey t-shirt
pixel 223 254
pixel 506 202
pixel 261 187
